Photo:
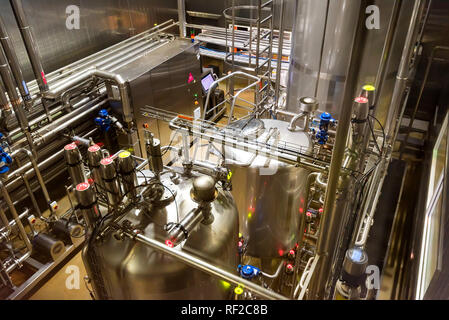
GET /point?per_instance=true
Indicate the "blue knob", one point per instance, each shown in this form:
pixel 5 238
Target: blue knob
pixel 248 271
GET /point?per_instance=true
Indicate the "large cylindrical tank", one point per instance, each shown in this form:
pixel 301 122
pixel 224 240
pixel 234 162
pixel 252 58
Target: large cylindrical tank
pixel 322 44
pixel 270 195
pixel 125 269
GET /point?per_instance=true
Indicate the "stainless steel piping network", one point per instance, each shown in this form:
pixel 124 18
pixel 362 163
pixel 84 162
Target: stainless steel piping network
pixel 91 72
pixel 37 172
pixel 108 54
pixel 30 45
pixel 206 267
pixel 14 64
pixel 403 72
pixel 16 217
pixel 69 119
pixel 14 98
pixel 421 91
pixel 277 89
pixel 332 220
pixel 27 171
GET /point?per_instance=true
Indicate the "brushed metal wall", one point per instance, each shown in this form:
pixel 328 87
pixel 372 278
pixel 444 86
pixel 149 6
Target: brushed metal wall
pixel 102 23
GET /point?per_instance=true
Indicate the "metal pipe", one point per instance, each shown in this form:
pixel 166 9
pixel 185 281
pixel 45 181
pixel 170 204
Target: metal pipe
pixel 27 172
pixel 16 218
pixel 26 182
pixel 5 106
pixel 182 229
pixel 332 220
pixel 206 267
pixel 403 71
pixel 30 45
pixel 91 72
pixel 5 222
pixel 101 55
pixel 182 18
pixel 386 50
pixel 14 63
pixel 8 81
pixel 421 91
pixel 69 120
pixel 280 50
pixel 37 172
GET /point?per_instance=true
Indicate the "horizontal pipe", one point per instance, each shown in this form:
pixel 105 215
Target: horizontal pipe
pixel 36 170
pixel 68 120
pixel 101 55
pixel 207 267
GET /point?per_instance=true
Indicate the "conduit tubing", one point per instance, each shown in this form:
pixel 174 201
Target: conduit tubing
pixel 16 217
pixel 36 170
pixel 30 45
pixel 332 218
pixel 27 172
pixel 91 72
pixel 100 56
pixel 69 119
pixel 14 64
pixel 206 267
pixel 5 73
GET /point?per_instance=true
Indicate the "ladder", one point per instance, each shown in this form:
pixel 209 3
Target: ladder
pixel 259 44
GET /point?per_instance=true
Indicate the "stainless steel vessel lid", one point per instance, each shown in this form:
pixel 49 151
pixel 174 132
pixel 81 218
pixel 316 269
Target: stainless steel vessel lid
pixel 247 127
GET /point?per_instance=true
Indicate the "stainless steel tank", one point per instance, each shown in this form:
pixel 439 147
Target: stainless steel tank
pixel 270 195
pixel 321 51
pixel 125 269
pixel 321 47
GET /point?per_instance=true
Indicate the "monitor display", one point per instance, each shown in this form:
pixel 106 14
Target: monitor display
pixel 207 82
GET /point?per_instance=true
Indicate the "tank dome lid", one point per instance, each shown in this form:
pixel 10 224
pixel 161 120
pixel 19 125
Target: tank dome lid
pixel 247 127
pixel 204 189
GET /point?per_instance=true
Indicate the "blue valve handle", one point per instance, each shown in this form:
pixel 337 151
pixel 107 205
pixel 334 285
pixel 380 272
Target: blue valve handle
pixel 5 158
pixel 323 135
pixel 103 120
pixel 248 271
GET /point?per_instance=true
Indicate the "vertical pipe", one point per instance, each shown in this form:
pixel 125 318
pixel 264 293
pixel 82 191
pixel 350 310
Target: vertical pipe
pixel 333 219
pixel 14 64
pixel 16 218
pixel 280 52
pixel 403 71
pixel 5 73
pixel 5 106
pixel 30 45
pixel 182 18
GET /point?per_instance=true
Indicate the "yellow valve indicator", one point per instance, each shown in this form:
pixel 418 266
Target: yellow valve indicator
pixel 238 290
pixel 226 285
pixel 369 87
pixel 229 175
pixel 124 154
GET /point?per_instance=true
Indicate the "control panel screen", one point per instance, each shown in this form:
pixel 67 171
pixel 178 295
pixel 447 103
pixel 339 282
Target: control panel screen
pixel 207 82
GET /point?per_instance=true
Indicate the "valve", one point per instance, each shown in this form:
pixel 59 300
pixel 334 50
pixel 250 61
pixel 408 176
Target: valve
pixel 248 271
pixel 5 158
pixel 105 121
pixel 291 254
pixel 325 119
pixel 289 268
